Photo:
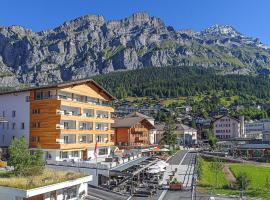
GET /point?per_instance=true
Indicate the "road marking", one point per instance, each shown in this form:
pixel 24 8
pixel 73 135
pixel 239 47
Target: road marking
pixel 165 191
pixel 129 197
pixel 93 197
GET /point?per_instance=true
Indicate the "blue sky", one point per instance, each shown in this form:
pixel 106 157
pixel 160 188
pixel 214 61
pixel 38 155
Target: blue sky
pixel 250 17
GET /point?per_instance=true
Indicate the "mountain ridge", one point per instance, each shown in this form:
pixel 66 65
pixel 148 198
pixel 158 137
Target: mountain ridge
pixel 90 45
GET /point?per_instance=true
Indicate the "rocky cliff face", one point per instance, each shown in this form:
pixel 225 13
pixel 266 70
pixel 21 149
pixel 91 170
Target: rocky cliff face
pixel 89 45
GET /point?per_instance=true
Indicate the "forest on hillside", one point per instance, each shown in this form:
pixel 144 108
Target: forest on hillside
pixel 169 82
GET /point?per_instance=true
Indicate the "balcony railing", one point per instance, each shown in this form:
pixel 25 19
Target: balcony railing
pixel 60 141
pixel 59 126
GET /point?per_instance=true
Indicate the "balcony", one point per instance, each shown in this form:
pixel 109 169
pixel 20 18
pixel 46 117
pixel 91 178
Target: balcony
pixel 85 126
pixel 60 112
pixel 102 114
pixel 59 126
pixel 59 141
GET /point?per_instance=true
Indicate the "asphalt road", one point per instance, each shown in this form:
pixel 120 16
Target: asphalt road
pixel 98 194
pixel 176 159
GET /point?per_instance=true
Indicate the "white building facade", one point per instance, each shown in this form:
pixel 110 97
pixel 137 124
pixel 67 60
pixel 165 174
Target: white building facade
pixel 15 108
pixel 227 127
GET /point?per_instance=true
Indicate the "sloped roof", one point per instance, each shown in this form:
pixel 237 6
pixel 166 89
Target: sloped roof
pixel 128 122
pixel 254 146
pixel 63 85
pixel 137 114
pixel 160 127
pixel 226 116
pixel 184 127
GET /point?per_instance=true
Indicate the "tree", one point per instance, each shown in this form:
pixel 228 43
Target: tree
pixel 23 162
pixel 212 140
pixel 169 137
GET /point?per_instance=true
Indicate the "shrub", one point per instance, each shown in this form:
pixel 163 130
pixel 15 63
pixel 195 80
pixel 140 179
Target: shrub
pixel 242 180
pixel 24 162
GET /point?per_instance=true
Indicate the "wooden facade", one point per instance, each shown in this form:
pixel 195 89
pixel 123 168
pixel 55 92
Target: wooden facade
pixel 46 117
pixel 134 136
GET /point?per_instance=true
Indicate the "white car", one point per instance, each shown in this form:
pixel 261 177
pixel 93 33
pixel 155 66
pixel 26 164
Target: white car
pixel 212 198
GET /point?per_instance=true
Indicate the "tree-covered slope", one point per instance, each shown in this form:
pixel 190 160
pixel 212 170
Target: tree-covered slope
pixel 182 81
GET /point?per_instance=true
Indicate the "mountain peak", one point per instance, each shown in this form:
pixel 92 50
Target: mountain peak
pixel 221 30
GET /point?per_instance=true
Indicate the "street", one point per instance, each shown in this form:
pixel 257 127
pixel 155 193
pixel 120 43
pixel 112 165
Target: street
pixel 184 162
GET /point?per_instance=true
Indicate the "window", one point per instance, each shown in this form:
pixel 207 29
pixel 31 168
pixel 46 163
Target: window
pixel 3 113
pixel 75 153
pixel 13 137
pixel 103 151
pixel 22 126
pixel 38 95
pixel 35 138
pixel 3 138
pixel 36 111
pixel 13 113
pixel 63 154
pixel 13 125
pixel 83 139
pixel 27 99
pixel 36 125
pixel 66 139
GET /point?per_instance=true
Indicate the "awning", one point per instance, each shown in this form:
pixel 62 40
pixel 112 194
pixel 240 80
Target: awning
pixel 68 150
pixel 127 165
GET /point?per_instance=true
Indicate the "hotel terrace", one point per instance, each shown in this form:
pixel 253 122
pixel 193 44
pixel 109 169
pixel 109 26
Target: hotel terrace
pixel 65 120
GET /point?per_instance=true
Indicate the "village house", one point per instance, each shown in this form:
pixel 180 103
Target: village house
pixel 185 135
pixel 66 120
pixel 132 131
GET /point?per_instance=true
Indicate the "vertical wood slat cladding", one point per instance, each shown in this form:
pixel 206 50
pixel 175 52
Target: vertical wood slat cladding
pixel 85 89
pixel 48 119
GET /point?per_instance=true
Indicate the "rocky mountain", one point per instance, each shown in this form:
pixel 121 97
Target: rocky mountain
pixel 89 45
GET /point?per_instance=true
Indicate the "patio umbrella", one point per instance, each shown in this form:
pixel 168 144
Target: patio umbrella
pixel 164 150
pixel 153 171
pixel 162 163
pixel 154 167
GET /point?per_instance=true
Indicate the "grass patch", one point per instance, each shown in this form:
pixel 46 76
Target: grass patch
pixel 257 175
pixel 48 177
pixel 178 100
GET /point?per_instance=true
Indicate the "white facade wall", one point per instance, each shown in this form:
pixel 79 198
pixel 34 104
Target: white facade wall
pixel 55 154
pixel 18 102
pixel 81 184
pixel 226 127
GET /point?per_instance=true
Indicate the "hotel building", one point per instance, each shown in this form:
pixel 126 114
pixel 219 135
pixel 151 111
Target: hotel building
pixel 227 127
pixel 65 120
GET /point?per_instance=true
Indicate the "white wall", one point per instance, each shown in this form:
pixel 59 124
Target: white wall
pixel 227 126
pixel 14 102
pixel 152 136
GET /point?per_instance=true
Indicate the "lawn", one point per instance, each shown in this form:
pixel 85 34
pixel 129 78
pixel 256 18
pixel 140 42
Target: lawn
pixel 48 177
pixel 256 174
pixel 208 180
